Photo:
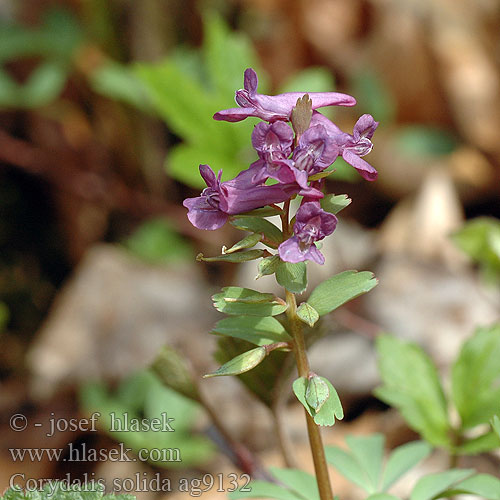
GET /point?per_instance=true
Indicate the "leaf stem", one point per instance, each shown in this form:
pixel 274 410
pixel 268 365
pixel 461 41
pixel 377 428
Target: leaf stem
pixel 315 442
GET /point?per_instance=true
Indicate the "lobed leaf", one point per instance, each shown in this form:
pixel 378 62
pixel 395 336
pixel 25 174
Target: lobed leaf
pixel 475 377
pixel 233 257
pixel 339 289
pixel 435 485
pixel 329 411
pixel 348 466
pixel 368 452
pixel 240 364
pixel 264 489
pixel 300 482
pixel 258 225
pixel 402 459
pixel 334 203
pixel 236 301
pixel 411 384
pixel 258 331
pixel 292 276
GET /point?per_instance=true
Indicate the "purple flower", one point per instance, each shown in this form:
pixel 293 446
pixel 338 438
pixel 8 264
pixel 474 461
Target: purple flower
pixel 277 107
pixel 352 147
pixel 315 151
pixel 312 224
pixel 218 200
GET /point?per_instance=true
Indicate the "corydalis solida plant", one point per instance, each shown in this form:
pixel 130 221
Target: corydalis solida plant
pixel 295 144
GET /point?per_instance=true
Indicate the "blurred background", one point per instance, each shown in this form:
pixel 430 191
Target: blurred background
pixel 105 115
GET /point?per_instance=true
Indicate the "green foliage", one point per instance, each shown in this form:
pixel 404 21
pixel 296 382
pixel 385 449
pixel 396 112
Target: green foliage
pixel 334 203
pixel 297 485
pixel 480 240
pixel 411 384
pixel 273 235
pixel 307 314
pixel 436 485
pixel 258 331
pixel 317 393
pixel 4 316
pixel 241 363
pixel 475 377
pixel 266 379
pixel 173 371
pixel 233 257
pixel 117 82
pixel 55 42
pixel 291 276
pixel 268 266
pixel 236 301
pixel 340 289
pixel 187 98
pixel 423 141
pixel 328 411
pixel 373 96
pixel 157 241
pixel 247 242
pixel 144 396
pixel 59 490
pixel 362 463
pixel 495 423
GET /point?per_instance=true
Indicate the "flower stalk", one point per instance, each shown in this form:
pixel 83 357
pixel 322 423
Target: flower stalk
pixel 315 441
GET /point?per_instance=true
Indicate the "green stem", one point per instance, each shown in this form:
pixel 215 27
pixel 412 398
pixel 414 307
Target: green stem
pixel 315 442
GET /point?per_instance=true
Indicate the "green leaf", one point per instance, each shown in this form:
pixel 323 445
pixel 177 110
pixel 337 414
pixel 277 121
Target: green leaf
pixel 269 211
pixel 235 301
pixel 329 411
pixel 317 393
pixel 258 331
pixel 157 241
pixel 299 481
pixel 307 314
pixel 495 423
pixel 483 485
pixel 373 96
pixel 227 54
pixel 261 226
pixel 480 444
pixel 240 364
pixel 368 451
pixel 480 240
pixel 339 289
pixel 431 486
pixel 233 257
pixel 173 372
pixel 268 266
pixel 411 384
pixel 119 83
pixel 44 85
pixel 264 489
pixel 313 79
pixel 475 377
pixel 382 496
pixel 423 141
pixel 334 203
pixel 403 459
pixel 247 242
pixel 348 466
pixel 292 276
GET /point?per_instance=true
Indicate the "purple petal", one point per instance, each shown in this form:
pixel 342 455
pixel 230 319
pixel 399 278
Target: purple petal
pixel 234 114
pixel 204 216
pixel 363 167
pixel 289 251
pixel 250 81
pixel 208 175
pixel 365 127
